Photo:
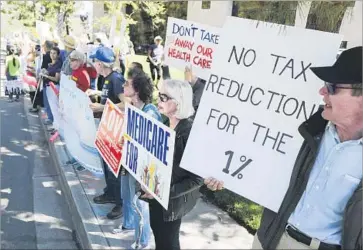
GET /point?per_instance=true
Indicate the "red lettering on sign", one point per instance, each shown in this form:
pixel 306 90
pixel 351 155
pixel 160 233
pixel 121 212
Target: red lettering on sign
pixel 202 62
pixel 174 53
pixel 207 52
pixel 184 44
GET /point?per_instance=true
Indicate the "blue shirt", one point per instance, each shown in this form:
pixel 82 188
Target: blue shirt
pixel 113 86
pixel 336 174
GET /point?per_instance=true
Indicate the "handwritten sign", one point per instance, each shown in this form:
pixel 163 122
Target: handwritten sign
pixel 108 137
pixel 260 90
pixel 191 44
pixel 148 152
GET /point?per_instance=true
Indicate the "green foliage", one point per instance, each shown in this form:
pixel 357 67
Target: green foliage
pixel 327 16
pixel 268 11
pixel 323 15
pixel 245 212
pixel 28 12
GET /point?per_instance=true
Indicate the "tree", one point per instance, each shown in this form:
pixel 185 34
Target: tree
pixel 29 11
pixel 323 15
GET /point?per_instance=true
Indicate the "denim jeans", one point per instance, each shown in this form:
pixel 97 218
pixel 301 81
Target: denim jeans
pixel 131 217
pixel 46 104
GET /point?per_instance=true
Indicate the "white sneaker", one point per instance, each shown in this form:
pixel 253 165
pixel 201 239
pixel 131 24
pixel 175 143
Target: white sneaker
pixel 133 246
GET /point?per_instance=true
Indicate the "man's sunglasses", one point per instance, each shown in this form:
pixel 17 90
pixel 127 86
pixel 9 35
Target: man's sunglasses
pixel 164 97
pixel 333 87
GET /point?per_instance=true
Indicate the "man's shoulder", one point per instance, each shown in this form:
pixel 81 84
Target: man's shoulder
pixel 115 77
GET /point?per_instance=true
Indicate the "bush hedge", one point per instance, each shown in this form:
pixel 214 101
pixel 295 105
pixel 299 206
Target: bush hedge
pixel 243 211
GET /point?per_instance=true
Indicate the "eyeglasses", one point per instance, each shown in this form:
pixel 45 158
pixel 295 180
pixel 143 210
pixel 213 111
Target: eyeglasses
pixel 333 87
pixel 164 97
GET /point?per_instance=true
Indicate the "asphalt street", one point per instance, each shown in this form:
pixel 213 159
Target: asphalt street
pixel 34 214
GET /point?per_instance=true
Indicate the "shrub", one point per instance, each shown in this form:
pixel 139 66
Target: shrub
pixel 245 212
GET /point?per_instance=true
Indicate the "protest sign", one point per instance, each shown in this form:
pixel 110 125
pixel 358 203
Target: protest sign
pixel 77 125
pixel 260 90
pixel 15 86
pixel 108 137
pixel 52 96
pixel 148 152
pixel 43 30
pixel 191 44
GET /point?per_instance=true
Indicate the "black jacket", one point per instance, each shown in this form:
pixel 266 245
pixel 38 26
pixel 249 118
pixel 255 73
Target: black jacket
pixel 273 224
pixel 198 89
pixel 184 187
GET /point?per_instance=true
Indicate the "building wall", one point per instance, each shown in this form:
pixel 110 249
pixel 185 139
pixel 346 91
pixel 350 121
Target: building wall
pixel 214 16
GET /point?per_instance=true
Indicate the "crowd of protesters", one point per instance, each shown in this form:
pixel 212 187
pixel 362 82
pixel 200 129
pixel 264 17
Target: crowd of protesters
pixel 309 217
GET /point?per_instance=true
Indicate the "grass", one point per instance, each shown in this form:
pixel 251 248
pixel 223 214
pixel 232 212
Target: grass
pixel 245 212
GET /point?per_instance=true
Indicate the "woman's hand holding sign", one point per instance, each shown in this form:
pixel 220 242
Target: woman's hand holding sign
pixel 147 195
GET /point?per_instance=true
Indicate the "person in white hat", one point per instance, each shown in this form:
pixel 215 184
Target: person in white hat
pixel 69 45
pixel 155 55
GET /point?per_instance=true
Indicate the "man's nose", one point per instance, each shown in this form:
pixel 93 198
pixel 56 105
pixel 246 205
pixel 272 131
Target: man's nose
pixel 323 91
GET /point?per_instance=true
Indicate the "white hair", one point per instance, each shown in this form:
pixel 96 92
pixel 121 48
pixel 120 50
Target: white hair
pixel 75 54
pixel 182 94
pixel 107 65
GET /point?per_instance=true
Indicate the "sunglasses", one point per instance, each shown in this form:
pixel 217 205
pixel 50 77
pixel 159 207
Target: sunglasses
pixel 333 87
pixel 164 97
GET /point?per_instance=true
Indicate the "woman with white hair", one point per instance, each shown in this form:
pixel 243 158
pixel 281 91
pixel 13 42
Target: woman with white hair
pixel 175 101
pixel 79 72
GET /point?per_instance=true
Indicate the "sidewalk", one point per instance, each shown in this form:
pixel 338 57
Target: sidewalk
pixel 206 227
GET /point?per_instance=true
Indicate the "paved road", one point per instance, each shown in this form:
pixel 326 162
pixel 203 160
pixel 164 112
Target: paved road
pixel 34 214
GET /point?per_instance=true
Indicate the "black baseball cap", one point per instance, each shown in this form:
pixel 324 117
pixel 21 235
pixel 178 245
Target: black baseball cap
pixel 346 70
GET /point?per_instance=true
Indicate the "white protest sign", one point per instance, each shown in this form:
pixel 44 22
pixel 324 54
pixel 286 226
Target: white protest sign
pixel 15 86
pixel 191 44
pixel 43 30
pixel 147 152
pixel 260 90
pixel 78 125
pixel 54 106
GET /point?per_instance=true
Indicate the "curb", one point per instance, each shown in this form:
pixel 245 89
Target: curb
pixel 83 218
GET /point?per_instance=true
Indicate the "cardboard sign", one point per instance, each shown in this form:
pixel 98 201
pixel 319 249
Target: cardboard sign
pixel 109 135
pixel 148 152
pixel 260 90
pixel 191 44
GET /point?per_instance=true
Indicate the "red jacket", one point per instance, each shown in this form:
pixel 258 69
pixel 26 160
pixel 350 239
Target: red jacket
pixel 82 78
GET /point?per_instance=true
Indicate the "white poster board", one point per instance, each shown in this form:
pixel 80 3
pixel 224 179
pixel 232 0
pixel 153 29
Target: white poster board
pixel 147 152
pixel 54 106
pixel 43 30
pixel 78 125
pixel 260 90
pixel 191 44
pixel 15 86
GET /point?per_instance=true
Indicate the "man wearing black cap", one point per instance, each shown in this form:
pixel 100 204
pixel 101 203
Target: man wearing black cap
pixel 322 208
